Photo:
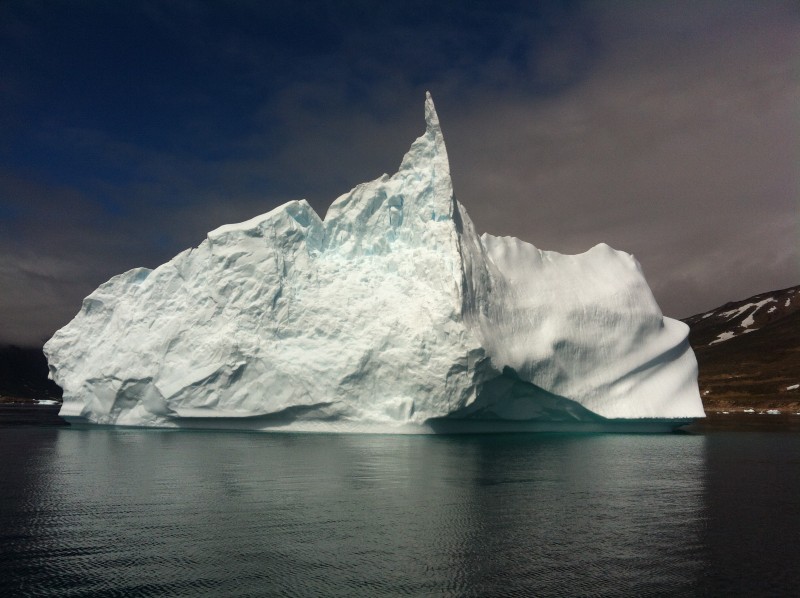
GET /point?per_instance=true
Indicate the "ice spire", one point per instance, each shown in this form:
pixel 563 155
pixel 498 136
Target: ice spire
pixel 427 157
pixel 434 132
pixel 431 118
pixel 429 150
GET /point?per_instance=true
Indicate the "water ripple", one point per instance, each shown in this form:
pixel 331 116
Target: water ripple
pixel 137 513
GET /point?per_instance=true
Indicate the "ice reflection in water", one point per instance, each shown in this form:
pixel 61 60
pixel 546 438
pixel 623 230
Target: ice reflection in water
pixel 93 512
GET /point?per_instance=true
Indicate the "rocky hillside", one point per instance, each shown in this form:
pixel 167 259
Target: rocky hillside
pixel 749 353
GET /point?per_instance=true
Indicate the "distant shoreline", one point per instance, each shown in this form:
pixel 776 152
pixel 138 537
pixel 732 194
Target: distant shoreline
pixel 739 421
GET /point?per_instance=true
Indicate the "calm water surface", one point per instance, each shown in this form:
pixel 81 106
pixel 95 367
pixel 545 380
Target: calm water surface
pixel 99 512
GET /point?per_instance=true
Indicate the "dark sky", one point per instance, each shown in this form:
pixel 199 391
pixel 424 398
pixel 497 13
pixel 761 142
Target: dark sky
pixel 129 129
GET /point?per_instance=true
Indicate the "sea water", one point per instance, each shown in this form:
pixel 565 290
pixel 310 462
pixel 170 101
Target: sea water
pixel 116 512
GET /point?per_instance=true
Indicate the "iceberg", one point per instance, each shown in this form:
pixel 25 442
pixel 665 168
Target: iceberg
pixel 391 314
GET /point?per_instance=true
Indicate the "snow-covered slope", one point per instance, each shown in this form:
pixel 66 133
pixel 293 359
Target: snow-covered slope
pixel 388 314
pixel 737 318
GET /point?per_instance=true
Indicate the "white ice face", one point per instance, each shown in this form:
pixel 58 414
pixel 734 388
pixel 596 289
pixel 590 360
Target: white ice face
pixel 389 313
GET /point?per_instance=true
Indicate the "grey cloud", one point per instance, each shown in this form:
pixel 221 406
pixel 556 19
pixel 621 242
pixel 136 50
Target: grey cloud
pixel 686 157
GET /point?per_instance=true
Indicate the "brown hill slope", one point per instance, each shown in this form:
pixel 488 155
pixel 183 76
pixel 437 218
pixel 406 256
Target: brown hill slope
pixel 749 353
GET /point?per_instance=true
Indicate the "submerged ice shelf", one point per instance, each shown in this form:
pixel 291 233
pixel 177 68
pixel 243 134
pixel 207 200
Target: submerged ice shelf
pixel 391 314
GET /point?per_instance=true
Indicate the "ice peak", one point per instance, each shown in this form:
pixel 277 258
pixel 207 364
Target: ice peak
pixel 401 207
pixel 431 118
pixel 428 152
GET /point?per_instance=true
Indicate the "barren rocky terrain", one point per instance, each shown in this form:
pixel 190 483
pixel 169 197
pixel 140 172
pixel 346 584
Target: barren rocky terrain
pixel 748 352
